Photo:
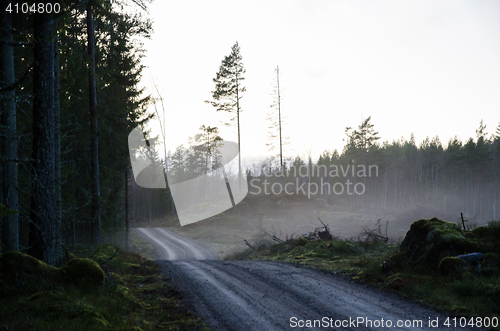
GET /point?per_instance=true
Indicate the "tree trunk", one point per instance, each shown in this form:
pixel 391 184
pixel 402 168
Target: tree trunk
pixel 57 162
pixel 279 115
pixel 386 185
pixel 494 181
pixel 238 122
pixel 42 192
pixel 494 204
pixel 10 229
pixel 126 211
pixel 94 144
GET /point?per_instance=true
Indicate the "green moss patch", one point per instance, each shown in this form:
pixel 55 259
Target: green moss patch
pixel 490 264
pixel 452 266
pixel 23 274
pixel 83 272
pixel 130 293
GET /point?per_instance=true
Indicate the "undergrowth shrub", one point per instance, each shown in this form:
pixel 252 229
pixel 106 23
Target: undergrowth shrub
pixel 346 247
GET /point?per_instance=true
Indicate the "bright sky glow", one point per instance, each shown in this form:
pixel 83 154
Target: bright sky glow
pixel 425 67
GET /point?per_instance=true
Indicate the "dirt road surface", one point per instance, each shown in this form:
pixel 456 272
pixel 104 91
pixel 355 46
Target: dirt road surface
pixel 263 295
pixel 171 246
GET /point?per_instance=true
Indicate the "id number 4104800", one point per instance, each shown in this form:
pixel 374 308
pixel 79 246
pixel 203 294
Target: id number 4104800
pixel 478 322
pixel 35 8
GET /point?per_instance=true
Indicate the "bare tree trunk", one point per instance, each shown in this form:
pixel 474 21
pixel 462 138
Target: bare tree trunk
pixel 494 204
pixel 279 115
pixel 10 224
pixel 238 120
pixel 42 192
pixel 74 229
pixel 94 144
pixel 126 211
pixel 163 130
pixel 395 188
pixel 494 181
pixel 150 205
pixel 386 185
pixel 135 195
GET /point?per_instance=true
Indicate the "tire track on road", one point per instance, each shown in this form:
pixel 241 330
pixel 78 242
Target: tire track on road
pixel 171 246
pixel 265 295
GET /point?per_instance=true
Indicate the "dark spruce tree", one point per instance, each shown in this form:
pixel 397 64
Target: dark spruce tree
pixel 122 106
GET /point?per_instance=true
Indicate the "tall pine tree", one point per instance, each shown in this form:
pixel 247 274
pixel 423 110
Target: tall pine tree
pixel 229 90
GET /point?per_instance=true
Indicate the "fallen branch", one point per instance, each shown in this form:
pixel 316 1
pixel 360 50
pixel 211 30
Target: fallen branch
pixel 248 244
pixel 374 235
pixel 101 264
pixel 277 239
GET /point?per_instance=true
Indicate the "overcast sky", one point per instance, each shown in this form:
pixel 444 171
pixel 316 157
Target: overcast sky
pixel 423 67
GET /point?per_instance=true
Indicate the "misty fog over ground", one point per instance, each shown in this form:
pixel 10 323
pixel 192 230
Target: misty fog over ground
pixel 258 217
pixel 368 184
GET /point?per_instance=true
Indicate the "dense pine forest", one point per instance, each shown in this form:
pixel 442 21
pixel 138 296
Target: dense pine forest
pixel 70 96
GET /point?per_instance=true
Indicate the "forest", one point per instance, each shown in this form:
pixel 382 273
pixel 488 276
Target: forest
pixel 70 96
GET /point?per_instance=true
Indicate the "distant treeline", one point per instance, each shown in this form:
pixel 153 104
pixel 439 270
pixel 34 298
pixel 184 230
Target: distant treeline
pixel 461 177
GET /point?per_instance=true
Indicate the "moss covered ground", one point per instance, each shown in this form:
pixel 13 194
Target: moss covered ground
pixel 410 268
pixel 98 289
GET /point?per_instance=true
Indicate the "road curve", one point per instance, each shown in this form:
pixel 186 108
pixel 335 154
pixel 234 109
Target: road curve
pixel 263 295
pixel 171 246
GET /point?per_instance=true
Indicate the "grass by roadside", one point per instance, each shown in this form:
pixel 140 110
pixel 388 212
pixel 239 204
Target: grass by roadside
pixel 465 293
pixel 101 289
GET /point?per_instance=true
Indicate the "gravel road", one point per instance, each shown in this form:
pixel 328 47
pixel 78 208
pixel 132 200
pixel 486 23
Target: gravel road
pixel 263 295
pixel 171 246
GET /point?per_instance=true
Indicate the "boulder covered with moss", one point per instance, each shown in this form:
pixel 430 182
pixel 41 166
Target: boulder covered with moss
pixel 428 241
pixel 452 266
pixel 83 272
pixel 24 274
